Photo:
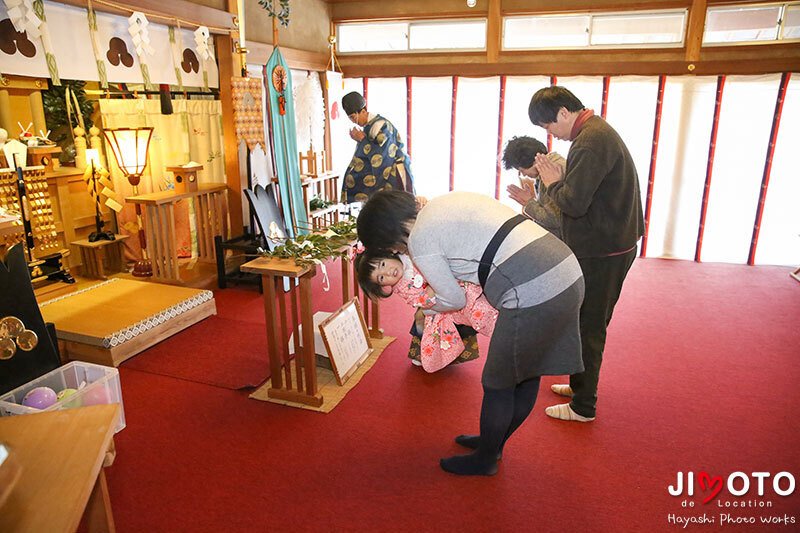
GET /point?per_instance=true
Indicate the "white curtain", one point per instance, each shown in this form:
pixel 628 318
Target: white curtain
pixel 430 132
pixel 477 119
pixel 746 117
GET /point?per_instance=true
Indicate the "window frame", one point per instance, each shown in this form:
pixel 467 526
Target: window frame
pixel 779 39
pixel 589 31
pixel 412 22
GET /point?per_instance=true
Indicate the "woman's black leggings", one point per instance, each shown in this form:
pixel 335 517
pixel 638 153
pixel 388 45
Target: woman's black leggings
pixel 502 412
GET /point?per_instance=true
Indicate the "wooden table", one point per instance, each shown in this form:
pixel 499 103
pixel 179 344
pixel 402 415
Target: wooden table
pixel 61 454
pixel 92 254
pixel 272 271
pixel 210 212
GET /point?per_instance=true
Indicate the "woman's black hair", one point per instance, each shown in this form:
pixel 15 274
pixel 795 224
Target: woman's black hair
pixel 520 152
pixel 546 102
pixel 384 220
pixel 365 265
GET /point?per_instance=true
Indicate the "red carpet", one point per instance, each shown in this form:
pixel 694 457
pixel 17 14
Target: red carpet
pixel 700 375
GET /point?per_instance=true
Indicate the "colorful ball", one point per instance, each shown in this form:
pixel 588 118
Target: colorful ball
pixel 65 393
pixel 96 395
pixel 40 398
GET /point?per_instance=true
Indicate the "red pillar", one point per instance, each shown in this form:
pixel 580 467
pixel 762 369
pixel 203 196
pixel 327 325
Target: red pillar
pixel 500 116
pixel 773 136
pixel 653 154
pixel 712 143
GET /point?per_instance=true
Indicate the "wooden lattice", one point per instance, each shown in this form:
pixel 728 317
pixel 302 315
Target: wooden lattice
pixel 41 209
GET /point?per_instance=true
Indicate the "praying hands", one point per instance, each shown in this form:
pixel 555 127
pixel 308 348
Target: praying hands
pixel 549 172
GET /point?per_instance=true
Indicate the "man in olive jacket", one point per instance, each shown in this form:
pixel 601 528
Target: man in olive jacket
pixel 602 221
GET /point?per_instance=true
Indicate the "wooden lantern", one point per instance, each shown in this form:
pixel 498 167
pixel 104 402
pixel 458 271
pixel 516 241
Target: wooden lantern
pixel 185 178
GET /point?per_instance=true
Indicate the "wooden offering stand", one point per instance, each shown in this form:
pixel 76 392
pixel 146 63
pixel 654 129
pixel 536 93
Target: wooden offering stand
pixel 273 271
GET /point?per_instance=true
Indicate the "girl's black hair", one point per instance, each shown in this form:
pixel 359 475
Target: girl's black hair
pixel 383 221
pixel 365 265
pixel 546 102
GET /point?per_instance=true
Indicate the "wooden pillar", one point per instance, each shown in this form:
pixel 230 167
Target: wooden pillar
pixel 37 111
pixel 5 112
pixel 224 48
pixel 494 31
pixel 694 29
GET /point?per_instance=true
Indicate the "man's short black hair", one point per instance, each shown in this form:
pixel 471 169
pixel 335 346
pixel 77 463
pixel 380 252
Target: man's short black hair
pixel 383 221
pixel 546 103
pixel 365 264
pixel 520 152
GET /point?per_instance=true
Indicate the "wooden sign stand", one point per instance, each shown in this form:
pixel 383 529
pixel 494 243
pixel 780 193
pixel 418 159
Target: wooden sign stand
pixel 346 339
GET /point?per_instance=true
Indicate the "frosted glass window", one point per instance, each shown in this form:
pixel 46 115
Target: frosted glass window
pixel 652 28
pixel 545 32
pixel 779 239
pixel 477 114
pixel 448 35
pixel 727 25
pixel 738 166
pixel 519 90
pixel 686 118
pixel 791 22
pixel 372 37
pixel 430 131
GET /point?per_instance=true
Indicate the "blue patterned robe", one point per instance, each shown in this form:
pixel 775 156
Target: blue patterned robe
pixel 375 163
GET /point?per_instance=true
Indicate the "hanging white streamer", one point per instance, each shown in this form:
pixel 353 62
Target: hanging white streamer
pixel 201 36
pixel 140 34
pixel 23 17
pixel 326 283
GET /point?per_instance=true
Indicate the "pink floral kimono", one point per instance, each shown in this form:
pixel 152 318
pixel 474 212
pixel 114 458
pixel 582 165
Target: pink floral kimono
pixel 441 343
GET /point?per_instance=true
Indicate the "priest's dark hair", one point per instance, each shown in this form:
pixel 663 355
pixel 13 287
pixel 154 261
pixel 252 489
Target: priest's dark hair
pixel 353 102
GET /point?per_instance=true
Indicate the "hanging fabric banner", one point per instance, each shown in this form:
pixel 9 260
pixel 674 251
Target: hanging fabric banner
pixel 281 105
pixel 85 44
pixel 247 114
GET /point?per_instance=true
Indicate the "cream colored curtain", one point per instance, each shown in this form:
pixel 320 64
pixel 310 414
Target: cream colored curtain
pixel 192 133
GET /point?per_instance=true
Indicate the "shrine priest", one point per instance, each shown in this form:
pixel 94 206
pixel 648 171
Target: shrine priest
pixel 380 161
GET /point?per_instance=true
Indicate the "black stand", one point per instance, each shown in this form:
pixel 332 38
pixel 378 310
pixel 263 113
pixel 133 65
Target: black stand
pixel 98 234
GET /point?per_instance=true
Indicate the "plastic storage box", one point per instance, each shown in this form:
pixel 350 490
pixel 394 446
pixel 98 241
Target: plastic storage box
pixel 95 385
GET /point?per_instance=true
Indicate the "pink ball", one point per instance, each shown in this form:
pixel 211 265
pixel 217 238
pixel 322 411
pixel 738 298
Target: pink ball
pixel 96 395
pixel 40 398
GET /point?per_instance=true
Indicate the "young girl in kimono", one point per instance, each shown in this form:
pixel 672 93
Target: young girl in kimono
pixel 381 274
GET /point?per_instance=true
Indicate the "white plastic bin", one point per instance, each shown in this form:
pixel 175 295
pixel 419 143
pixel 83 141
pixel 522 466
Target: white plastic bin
pixel 95 385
